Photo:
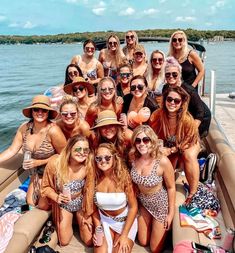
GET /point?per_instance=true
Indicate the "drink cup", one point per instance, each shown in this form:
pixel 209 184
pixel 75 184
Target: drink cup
pixel 99 233
pixel 228 240
pixel 27 156
pixel 67 192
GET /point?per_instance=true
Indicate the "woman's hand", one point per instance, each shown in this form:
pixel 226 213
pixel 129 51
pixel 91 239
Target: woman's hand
pixel 62 199
pixel 119 100
pixel 87 223
pixel 123 244
pixel 168 221
pixel 30 164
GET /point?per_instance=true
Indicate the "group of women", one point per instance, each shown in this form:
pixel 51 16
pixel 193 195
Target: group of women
pixel 121 130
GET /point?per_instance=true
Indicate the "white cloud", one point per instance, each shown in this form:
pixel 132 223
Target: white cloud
pixel 162 1
pixel 208 24
pixel 29 25
pixel 150 11
pixel 101 4
pixel 98 11
pixel 2 18
pixel 220 3
pixel 184 19
pixel 72 1
pixel 14 25
pixel 128 12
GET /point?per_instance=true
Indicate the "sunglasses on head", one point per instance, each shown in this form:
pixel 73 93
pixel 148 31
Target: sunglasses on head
pixel 78 88
pixel 177 39
pixel 106 158
pixel 73 73
pixel 125 75
pixel 173 74
pixel 171 99
pixel 66 114
pixel 156 60
pixel 113 43
pixel 130 37
pixel 92 49
pixel 138 86
pixel 145 140
pixel 81 150
pixel 105 90
pixel 40 109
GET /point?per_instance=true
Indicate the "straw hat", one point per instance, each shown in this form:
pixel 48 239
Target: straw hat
pixel 106 117
pixel 79 81
pixel 42 102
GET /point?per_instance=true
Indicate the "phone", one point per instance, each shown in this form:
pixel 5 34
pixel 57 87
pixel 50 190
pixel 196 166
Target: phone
pixel 24 208
pixel 201 248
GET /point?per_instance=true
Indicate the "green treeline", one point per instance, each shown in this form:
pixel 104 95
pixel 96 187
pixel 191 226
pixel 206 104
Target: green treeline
pixel 193 35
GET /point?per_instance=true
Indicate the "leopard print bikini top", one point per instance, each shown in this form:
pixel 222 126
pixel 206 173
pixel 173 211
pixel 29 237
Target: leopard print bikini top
pixel 147 181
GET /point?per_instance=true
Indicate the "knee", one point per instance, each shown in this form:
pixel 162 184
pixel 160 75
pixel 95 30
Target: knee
pixel 64 241
pixel 143 241
pixel 87 241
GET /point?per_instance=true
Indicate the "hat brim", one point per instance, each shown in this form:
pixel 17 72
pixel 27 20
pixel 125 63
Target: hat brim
pixel 69 88
pixel 28 111
pixel 106 123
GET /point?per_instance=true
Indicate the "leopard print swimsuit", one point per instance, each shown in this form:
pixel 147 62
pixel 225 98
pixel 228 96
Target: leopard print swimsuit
pixel 156 203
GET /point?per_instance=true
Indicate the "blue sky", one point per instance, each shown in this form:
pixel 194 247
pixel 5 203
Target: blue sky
pixel 28 17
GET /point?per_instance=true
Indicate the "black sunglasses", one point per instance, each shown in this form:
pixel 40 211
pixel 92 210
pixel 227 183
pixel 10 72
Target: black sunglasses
pixel 174 74
pixel 177 39
pixel 125 75
pixel 73 73
pixel 138 86
pixel 79 88
pixel 155 60
pixel 40 109
pixel 171 99
pixel 130 37
pixel 145 140
pixel 106 90
pixel 99 159
pixel 111 43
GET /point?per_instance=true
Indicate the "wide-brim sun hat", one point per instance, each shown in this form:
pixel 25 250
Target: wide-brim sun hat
pixel 106 117
pixel 79 81
pixel 42 102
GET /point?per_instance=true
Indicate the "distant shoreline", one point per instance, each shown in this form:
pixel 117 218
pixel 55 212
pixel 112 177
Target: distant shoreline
pixel 193 35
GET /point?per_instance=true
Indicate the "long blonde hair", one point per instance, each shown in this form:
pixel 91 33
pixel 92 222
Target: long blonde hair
pixel 184 51
pixel 134 153
pixel 149 75
pixel 121 175
pixel 118 55
pixel 63 161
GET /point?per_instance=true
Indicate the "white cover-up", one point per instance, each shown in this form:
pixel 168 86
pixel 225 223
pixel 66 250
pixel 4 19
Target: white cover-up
pixel 116 226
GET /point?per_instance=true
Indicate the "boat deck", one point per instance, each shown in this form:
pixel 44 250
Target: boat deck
pixel 76 246
pixel 225 116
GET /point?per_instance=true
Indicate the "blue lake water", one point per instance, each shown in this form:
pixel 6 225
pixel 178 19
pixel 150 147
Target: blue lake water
pixel 28 70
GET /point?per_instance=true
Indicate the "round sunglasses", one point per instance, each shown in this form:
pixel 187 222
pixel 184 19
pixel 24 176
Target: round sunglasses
pixel 175 100
pixel 146 140
pixel 79 88
pixel 100 158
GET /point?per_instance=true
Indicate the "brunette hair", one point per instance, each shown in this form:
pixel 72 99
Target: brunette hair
pixel 67 78
pixel 87 42
pixel 141 78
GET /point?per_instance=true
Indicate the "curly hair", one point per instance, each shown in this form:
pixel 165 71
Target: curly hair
pixel 134 153
pixel 120 175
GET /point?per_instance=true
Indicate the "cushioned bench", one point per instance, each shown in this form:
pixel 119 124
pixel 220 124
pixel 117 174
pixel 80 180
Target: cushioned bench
pixel 29 225
pixel 225 185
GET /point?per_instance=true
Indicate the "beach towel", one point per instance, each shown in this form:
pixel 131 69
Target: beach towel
pixel 202 223
pixel 6 228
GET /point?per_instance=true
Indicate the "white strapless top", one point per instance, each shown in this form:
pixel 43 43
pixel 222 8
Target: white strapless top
pixel 111 200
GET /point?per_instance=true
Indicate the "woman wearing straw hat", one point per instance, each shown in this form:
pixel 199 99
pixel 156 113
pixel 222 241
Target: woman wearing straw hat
pixel 83 91
pixel 39 136
pixel 109 129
